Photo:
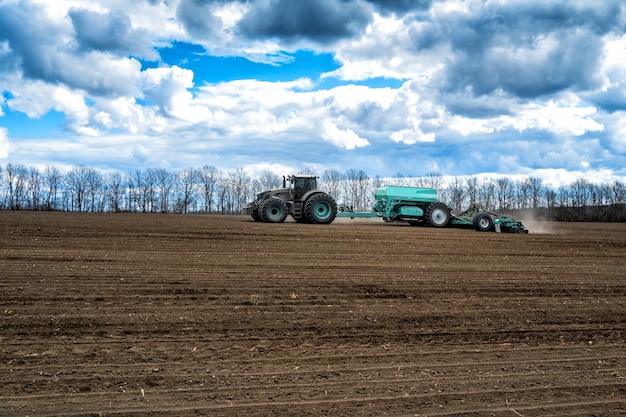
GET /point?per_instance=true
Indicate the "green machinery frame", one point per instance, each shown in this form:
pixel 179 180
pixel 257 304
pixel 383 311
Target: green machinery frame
pixel 398 203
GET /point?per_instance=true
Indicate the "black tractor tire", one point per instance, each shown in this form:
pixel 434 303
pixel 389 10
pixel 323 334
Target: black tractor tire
pixel 320 209
pixel 273 210
pixel 255 214
pixel 483 222
pixel 437 215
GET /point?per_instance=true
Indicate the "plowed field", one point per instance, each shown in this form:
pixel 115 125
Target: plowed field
pixel 171 315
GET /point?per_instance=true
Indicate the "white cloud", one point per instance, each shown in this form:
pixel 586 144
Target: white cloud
pixel 574 121
pixel 125 113
pixel 343 138
pixel 614 65
pixel 350 97
pixel 386 49
pixel 169 88
pixel 618 139
pixel 467 126
pixel 256 108
pixel 38 98
pixel 255 170
pixel 4 143
pixel 411 137
pixel 442 55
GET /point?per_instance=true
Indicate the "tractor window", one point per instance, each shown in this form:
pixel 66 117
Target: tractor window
pixel 302 185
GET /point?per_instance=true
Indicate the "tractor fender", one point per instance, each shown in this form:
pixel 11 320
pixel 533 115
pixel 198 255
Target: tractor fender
pixel 309 193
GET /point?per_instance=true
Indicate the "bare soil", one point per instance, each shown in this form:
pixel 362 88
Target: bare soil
pixel 171 315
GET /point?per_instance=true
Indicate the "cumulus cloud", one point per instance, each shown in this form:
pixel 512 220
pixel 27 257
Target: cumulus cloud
pixel 199 18
pixel 343 138
pixel 542 82
pixel 529 49
pixel 617 141
pixel 401 6
pixel 388 51
pixel 31 41
pixel 110 32
pixel 567 121
pixel 38 98
pixel 321 21
pixel 554 62
pixel 4 143
pixel 40 49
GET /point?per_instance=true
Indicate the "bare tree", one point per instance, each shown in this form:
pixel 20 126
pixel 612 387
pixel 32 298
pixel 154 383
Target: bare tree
pixel 16 180
pixel 374 184
pixel 331 181
pixel 165 182
pixel 617 193
pixel 580 193
pixel 269 180
pixel 455 192
pixel 94 184
pixel 209 177
pixel 52 181
pixel 240 183
pixel 115 190
pixel 400 180
pixel 9 177
pixel 20 188
pixel 486 193
pixel 563 196
pixel 522 194
pixel 131 192
pixel 34 187
pixel 76 181
pixel 224 194
pixel 503 190
pixel 537 191
pixel 433 180
pixel 357 184
pixel 471 188
pixel 186 184
pixel 139 190
pixel 551 198
pixel 149 189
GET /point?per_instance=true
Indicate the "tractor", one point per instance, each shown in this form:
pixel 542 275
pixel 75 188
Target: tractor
pixel 301 199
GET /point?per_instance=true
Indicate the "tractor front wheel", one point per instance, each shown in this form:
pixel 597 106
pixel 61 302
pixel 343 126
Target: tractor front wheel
pixel 255 214
pixel 320 209
pixel 482 222
pixel 437 215
pixel 273 210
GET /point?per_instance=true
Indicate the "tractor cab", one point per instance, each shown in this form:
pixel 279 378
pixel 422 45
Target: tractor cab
pixel 301 184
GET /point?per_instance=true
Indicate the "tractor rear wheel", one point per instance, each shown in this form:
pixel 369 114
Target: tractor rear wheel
pixel 273 210
pixel 482 222
pixel 437 215
pixel 320 209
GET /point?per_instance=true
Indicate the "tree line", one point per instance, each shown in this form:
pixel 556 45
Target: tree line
pixel 209 190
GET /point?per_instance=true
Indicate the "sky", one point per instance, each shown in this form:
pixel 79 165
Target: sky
pixel 391 87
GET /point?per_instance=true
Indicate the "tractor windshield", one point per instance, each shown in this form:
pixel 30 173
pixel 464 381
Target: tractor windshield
pixel 303 184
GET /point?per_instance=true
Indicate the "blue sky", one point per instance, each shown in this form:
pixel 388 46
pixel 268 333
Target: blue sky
pixel 507 87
